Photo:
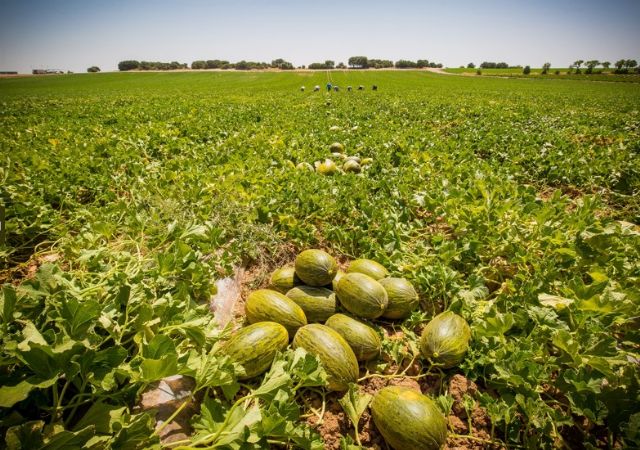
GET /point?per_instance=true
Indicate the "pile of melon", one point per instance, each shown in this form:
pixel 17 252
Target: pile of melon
pixel 349 164
pixel 317 307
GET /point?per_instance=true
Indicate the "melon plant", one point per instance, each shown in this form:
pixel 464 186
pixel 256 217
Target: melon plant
pixel 267 305
pixel 445 339
pixel 333 351
pixel 318 303
pixel 362 296
pixel 368 267
pixel 403 298
pixel 363 340
pixel 255 346
pixel 316 267
pixel 408 420
pixel 283 279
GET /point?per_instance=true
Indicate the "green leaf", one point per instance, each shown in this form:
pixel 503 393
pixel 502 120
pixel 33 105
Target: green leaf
pixel 9 299
pixel 101 416
pixel 354 403
pixel 69 439
pixel 554 301
pixel 26 436
pixel 10 395
pixel 156 369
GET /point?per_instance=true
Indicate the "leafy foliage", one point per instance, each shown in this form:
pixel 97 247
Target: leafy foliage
pixel 513 203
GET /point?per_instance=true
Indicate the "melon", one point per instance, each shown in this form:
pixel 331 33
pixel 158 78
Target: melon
pixel 254 347
pixel 408 420
pixel 403 298
pixel 351 166
pixel 318 303
pixel 445 339
pixel 283 279
pixel 363 340
pixel 334 353
pixel 362 296
pixel 316 267
pixel 272 306
pixel 368 267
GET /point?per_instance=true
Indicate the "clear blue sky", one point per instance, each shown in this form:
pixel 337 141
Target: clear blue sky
pixel 75 34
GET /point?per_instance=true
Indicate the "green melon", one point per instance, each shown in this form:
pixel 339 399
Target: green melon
pixel 255 346
pixel 336 147
pixel 284 279
pixel 368 267
pixel 362 296
pixel 305 166
pixel 318 303
pixel 267 305
pixel 334 353
pixel 316 267
pixel 363 340
pixel 403 298
pixel 351 166
pixel 445 339
pixel 408 420
pixel 327 167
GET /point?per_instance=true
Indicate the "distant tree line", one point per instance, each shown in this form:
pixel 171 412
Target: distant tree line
pixel 362 62
pixel 150 65
pixel 622 66
pixel 494 65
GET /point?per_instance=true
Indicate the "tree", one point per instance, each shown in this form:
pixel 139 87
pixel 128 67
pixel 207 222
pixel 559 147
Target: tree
pixel 93 69
pixel 128 65
pixel 281 64
pixel 526 70
pixel 471 66
pixel 630 63
pixel 620 64
pixel 330 64
pixel 605 64
pixel 591 64
pixel 577 65
pixel 422 63
pixel 545 68
pixel 197 65
pixel 341 66
pixel 405 64
pixel 358 62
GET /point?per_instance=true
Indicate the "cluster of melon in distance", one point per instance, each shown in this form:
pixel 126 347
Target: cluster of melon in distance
pixel 304 305
pixel 350 164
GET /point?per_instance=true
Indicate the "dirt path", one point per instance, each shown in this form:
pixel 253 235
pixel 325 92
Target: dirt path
pixel 439 71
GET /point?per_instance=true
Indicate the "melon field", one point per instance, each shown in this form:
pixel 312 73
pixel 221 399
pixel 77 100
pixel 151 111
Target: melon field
pixel 125 198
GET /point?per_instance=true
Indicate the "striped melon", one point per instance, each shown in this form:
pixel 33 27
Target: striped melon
pixel 403 298
pixel 334 353
pixel 445 339
pixel 368 267
pixel 316 267
pixel 362 296
pixel 363 340
pixel 283 279
pixel 267 305
pixel 255 346
pixel 318 303
pixel 408 420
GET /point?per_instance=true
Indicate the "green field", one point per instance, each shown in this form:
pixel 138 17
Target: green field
pixel 563 75
pixel 126 196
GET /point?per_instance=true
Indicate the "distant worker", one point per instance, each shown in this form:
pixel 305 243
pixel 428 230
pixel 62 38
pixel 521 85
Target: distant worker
pixel 336 88
pixel 374 87
pixel 328 87
pixel 361 88
pixel 302 89
pixel 349 88
pixel 316 88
